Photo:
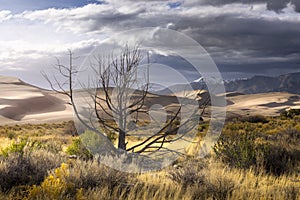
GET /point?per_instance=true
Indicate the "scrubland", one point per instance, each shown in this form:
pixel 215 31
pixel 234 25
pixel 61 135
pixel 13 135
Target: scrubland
pixel 256 157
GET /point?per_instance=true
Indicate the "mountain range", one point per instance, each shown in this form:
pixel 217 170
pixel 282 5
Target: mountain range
pixel 262 84
pixel 257 84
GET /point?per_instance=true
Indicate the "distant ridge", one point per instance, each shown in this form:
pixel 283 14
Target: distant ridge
pixel 258 84
pixel 262 84
pixel 182 87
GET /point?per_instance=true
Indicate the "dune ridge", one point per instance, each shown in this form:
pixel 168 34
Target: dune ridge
pixel 23 103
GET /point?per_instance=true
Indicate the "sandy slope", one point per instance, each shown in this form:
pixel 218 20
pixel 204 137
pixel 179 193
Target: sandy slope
pixel 265 104
pixel 23 103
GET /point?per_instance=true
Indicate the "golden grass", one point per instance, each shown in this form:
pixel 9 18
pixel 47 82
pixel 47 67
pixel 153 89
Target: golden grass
pixel 250 185
pixel 58 133
pixel 187 179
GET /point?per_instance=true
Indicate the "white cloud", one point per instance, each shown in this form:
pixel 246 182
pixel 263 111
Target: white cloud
pixel 84 19
pixel 103 18
pixel 5 15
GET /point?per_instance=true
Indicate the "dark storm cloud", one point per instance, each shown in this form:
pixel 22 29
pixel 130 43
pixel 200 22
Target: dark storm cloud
pixel 237 42
pixel 247 43
pixel 256 36
pixel 252 45
pixel 276 5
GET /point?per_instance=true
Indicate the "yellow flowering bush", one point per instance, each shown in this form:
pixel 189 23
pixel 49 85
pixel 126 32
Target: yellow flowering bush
pixel 54 186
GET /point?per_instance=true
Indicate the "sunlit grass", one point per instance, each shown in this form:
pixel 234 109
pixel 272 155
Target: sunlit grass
pixel 43 168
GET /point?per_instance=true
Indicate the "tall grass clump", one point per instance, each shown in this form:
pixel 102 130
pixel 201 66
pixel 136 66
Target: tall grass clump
pixel 26 169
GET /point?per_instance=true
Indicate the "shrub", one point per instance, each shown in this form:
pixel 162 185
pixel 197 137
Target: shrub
pixel 250 119
pixel 237 150
pixel 279 160
pixel 291 113
pixel 50 146
pixel 89 174
pixel 290 135
pixel 254 119
pixel 54 186
pixel 112 136
pixel 244 151
pixel 15 147
pixel 202 184
pixel 188 175
pixel 24 146
pixel 69 180
pixel 17 170
pixel 77 148
pixel 11 135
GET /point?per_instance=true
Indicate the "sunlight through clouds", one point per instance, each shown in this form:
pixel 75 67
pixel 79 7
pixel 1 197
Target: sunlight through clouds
pixel 235 33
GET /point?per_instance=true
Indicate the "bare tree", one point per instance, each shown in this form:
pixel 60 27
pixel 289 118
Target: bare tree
pixel 116 80
pixel 120 96
pixel 65 84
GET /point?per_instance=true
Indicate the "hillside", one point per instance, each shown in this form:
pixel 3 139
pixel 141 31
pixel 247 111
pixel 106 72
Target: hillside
pixel 262 84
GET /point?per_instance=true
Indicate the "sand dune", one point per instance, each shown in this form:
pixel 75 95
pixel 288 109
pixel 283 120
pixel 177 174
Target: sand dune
pixel 23 103
pixel 269 104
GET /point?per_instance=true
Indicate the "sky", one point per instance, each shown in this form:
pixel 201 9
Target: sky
pixel 244 37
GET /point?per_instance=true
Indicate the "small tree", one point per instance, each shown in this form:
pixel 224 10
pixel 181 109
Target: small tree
pixel 118 94
pixel 121 74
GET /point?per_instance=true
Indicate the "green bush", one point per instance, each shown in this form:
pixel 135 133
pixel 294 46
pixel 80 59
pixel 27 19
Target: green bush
pixel 77 148
pixel 255 119
pixel 15 147
pixel 291 113
pixel 244 151
pixel 237 150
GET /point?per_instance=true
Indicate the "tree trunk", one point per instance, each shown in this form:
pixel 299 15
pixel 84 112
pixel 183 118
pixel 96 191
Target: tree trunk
pixel 122 144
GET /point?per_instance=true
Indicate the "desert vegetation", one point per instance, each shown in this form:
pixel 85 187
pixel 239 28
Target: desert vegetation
pixel 255 158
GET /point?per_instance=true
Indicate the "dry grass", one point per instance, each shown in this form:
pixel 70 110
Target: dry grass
pixel 45 171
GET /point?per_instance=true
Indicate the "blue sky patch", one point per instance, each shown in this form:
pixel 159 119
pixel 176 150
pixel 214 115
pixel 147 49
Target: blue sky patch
pixel 17 6
pixel 174 4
